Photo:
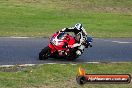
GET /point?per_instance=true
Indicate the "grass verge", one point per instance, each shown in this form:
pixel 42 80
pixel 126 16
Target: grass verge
pixel 38 18
pixel 60 76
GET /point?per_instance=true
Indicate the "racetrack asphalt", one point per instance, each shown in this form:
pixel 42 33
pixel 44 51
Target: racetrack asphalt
pixel 25 51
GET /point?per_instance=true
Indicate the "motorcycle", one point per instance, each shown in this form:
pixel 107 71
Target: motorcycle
pixel 61 46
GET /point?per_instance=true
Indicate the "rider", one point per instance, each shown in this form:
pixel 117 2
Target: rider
pixel 80 36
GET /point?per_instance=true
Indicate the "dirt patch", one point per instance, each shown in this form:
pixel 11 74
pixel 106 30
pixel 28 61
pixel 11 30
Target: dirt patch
pixel 113 9
pixel 12 68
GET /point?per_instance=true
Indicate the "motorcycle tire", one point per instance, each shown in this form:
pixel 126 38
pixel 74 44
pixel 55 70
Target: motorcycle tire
pixel 44 54
pixel 72 56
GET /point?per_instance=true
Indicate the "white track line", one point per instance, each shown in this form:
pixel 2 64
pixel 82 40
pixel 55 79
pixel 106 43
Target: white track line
pixel 18 37
pixel 92 62
pixel 24 65
pixel 50 63
pixel 121 42
pixel 12 37
pixel 7 65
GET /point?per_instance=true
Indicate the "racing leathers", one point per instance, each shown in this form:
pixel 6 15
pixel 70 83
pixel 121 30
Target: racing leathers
pixel 80 36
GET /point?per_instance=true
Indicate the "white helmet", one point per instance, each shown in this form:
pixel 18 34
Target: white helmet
pixel 78 26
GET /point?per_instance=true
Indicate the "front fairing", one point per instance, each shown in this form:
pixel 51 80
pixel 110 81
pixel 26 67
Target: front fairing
pixel 58 43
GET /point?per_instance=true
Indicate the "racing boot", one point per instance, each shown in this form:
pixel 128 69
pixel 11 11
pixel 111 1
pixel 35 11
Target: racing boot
pixel 78 52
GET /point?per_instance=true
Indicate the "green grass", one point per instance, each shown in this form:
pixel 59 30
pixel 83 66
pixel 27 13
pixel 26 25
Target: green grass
pixel 41 18
pixel 60 76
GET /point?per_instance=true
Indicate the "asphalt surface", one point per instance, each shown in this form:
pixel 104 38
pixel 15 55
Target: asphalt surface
pixel 25 51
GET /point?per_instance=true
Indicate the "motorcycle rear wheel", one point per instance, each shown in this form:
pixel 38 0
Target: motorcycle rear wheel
pixel 72 56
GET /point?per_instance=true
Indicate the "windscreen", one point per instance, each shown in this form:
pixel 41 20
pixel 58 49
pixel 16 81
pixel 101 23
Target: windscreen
pixel 61 36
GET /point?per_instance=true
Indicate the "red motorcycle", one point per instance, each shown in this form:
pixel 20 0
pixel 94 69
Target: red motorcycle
pixel 61 46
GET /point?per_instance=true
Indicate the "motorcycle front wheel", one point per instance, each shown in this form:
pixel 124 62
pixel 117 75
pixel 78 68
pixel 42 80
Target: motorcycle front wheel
pixel 44 54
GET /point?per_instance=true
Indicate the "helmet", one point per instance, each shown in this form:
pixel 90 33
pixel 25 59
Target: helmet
pixel 78 26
